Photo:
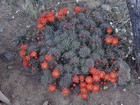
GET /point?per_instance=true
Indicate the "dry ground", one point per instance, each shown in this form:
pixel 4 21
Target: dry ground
pixel 25 89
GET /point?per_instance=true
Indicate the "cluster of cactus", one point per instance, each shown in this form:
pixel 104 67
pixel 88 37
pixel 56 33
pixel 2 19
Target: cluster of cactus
pixel 70 44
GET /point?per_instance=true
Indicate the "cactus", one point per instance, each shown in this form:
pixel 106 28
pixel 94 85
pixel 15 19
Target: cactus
pixel 76 43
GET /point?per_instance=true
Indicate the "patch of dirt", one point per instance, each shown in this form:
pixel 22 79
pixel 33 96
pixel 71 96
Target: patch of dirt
pixel 26 89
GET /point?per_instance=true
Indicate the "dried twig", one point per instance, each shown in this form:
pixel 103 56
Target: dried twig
pixel 124 23
pixel 59 3
pixel 138 95
pixel 96 7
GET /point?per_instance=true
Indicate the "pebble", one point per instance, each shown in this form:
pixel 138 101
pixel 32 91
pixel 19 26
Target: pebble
pixel 6 56
pixel 94 4
pixel 105 87
pixel 46 103
pixel 9 67
pixel 123 30
pixel 13 17
pixel 116 30
pixel 111 1
pixel 16 102
pixel 124 72
pixel 1 29
pixel 124 90
pixel 70 103
pixel 133 58
pixel 130 41
pixel 17 11
pixel 106 7
pixel 28 102
pixel 28 26
pixel 111 23
pixel 13 96
pixel 1 39
pixel 116 10
pixel 124 38
pixel 131 34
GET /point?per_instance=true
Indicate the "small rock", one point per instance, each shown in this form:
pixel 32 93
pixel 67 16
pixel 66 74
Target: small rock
pixel 124 72
pixel 1 39
pixel 105 87
pixel 106 7
pixel 1 29
pixel 16 102
pixel 133 58
pixel 9 67
pixel 123 31
pixel 46 103
pixel 13 17
pixel 116 10
pixel 130 41
pixel 28 26
pixel 93 4
pixel 115 86
pixel 6 56
pixel 13 96
pixel 28 102
pixel 111 23
pixel 116 30
pixel 124 90
pixel 4 99
pixel 111 1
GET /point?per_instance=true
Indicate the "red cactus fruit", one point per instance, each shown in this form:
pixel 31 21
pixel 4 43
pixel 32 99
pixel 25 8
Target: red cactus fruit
pixel 81 78
pixel 65 91
pixel 75 79
pixel 89 86
pixel 22 53
pixel 108 40
pixel 109 30
pixel 25 63
pixel 27 57
pixel 48 57
pixel 102 74
pixel 83 90
pixel 95 88
pixel 39 26
pixel 77 9
pixel 33 54
pixel 23 47
pixel 92 70
pixel 83 84
pixel 107 77
pixel 44 65
pixel 56 73
pixel 50 16
pixel 84 96
pixel 52 88
pixel 96 77
pixel 113 75
pixel 115 41
pixel 113 80
pixel 89 79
